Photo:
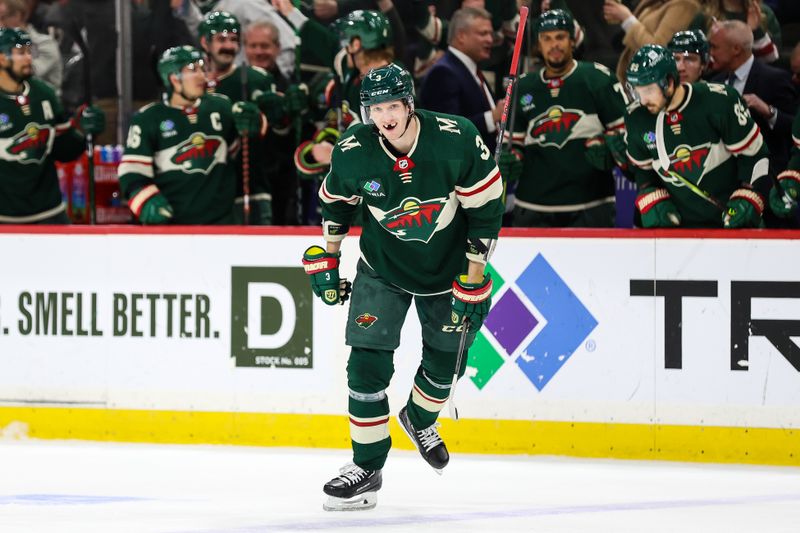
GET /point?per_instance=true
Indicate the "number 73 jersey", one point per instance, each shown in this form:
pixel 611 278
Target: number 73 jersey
pixel 710 139
pixel 418 209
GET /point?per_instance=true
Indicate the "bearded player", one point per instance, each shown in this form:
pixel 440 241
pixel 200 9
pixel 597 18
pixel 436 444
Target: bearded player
pixel 569 116
pixel 430 197
pixel 34 134
pixel 699 159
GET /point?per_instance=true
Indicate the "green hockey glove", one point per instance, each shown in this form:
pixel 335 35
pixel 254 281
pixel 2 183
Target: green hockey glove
pixel 657 208
pixel 510 164
pixel 597 153
pixel 789 182
pixel 272 105
pixel 471 301
pixel 248 119
pixel 296 99
pixel 744 210
pixel 323 269
pixel 155 210
pixel 90 119
pixel 615 142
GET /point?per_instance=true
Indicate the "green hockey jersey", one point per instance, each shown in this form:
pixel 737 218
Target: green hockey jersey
pixel 418 209
pixel 710 140
pixel 34 133
pixel 259 81
pixel 185 153
pixel 554 120
pixel 794 162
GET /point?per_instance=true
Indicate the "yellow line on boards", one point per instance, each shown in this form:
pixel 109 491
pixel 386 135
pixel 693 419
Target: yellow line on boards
pixel 771 446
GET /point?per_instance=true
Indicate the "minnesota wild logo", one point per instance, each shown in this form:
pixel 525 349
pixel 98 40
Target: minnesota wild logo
pixel 414 219
pixel 689 161
pixel 554 126
pixel 31 145
pixel 198 154
pixel 365 320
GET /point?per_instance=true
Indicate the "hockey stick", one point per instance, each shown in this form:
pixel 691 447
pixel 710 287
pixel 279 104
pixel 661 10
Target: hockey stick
pixel 245 155
pixel 462 340
pixel 512 75
pixel 87 99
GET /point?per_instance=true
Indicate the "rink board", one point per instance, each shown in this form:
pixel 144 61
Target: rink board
pixel 633 344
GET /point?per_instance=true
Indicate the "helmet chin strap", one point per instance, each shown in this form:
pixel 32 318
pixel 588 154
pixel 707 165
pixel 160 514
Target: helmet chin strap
pixel 181 92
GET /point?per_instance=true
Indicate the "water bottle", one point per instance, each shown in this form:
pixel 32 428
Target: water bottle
pixel 79 189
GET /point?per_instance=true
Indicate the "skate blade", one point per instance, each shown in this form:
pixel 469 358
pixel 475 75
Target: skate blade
pixel 439 471
pixel 362 502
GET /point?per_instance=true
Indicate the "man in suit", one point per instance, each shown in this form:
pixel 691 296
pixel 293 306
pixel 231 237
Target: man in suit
pixel 455 85
pixel 768 91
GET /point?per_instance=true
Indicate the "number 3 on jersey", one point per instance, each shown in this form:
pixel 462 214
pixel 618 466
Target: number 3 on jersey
pixel 485 153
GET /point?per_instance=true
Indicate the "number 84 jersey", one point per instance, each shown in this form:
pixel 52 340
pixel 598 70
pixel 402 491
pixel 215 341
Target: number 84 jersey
pixel 710 139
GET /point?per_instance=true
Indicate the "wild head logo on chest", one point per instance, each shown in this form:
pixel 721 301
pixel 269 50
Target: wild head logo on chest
pixel 689 161
pixel 554 126
pixel 198 154
pixel 31 145
pixel 414 219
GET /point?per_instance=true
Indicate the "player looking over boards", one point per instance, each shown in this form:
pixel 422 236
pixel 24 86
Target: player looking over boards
pixel 430 197
pixel 34 134
pixel 568 127
pixel 177 166
pixel 693 146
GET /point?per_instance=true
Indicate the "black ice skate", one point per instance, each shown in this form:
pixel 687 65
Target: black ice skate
pixel 354 489
pixel 427 441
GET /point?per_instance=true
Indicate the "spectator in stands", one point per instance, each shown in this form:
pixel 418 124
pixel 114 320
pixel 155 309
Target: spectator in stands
pixel 455 84
pixel 652 22
pixel 567 113
pixel 36 134
pixel 47 64
pixel 691 52
pixel 262 47
pixel 759 18
pixel 768 91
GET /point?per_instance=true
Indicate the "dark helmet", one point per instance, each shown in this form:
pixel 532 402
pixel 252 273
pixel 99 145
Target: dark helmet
pixel 652 64
pixel 385 84
pixel 690 42
pixel 11 38
pixel 174 59
pixel 219 22
pixel 372 27
pixel 555 19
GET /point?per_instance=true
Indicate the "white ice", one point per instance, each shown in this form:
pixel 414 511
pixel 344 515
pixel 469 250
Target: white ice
pixel 56 486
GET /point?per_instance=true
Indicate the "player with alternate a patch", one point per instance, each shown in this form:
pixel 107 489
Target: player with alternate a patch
pixel 177 167
pixel 430 197
pixel 220 34
pixel 569 120
pixel 34 133
pixel 699 159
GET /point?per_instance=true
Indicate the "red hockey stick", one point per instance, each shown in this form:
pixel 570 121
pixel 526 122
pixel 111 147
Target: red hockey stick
pixel 462 341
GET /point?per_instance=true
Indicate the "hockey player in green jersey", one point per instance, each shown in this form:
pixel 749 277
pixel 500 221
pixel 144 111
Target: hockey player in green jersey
pixel 788 181
pixel 699 159
pixel 177 162
pixel 691 52
pixel 567 112
pixel 360 41
pixel 220 35
pixel 34 134
pixel 430 197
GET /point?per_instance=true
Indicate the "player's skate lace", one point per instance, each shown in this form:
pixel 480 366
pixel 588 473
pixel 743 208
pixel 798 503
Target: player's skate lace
pixel 429 437
pixel 351 474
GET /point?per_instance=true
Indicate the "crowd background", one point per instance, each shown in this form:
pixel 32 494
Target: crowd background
pixel 285 40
